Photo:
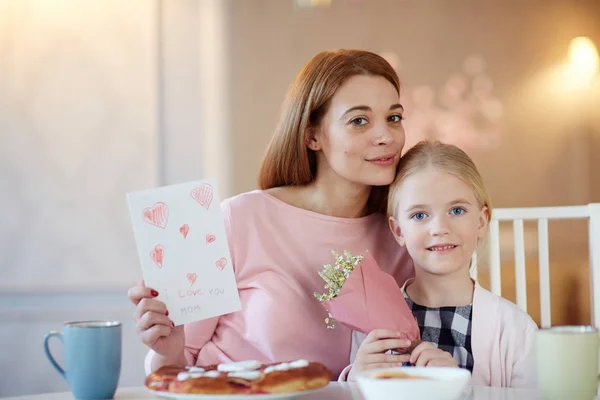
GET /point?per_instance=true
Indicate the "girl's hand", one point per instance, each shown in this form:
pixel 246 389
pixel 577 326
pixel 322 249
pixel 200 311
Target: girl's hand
pixel 427 355
pixel 371 353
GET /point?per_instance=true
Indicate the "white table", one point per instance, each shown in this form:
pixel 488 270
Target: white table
pixel 335 391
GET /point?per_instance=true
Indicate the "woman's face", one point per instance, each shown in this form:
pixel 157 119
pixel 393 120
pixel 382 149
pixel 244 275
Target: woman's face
pixel 361 136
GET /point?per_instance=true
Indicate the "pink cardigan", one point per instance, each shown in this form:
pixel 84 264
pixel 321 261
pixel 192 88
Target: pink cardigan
pixel 502 339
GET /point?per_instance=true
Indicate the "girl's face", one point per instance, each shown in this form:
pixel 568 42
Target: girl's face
pixel 439 220
pixel 360 138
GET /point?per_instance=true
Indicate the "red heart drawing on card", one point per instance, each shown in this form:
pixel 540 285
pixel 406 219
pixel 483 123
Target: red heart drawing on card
pixel 203 194
pixel 210 238
pixel 157 255
pixel 191 277
pixel 185 228
pixel 221 263
pixel 157 215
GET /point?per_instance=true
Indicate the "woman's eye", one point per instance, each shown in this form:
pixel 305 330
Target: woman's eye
pixel 457 211
pixel 358 121
pixel 418 216
pixel 396 118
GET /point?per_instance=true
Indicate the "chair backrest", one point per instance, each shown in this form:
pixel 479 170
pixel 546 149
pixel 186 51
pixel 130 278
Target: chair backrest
pixel 542 215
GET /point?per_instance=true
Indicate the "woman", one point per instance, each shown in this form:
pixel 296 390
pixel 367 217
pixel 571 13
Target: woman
pixel 324 182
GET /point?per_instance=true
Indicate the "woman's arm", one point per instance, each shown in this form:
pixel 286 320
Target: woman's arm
pixel 154 361
pixel 197 334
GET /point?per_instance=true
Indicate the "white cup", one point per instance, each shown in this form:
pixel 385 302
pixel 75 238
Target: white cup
pixel 567 362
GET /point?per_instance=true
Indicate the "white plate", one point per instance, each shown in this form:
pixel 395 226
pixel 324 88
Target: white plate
pixel 281 396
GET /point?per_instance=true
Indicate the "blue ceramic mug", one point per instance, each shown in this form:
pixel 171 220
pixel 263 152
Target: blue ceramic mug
pixel 92 357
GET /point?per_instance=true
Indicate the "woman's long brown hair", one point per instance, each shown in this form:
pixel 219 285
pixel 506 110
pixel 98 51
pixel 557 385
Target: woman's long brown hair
pixel 288 161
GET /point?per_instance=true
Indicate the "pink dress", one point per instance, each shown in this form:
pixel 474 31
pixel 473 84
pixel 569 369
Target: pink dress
pixel 277 250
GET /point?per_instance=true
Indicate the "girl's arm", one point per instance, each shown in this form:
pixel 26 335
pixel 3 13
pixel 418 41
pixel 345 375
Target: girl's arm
pixel 357 339
pixel 524 366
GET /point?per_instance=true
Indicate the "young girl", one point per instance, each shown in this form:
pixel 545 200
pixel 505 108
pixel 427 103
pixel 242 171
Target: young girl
pixel 439 210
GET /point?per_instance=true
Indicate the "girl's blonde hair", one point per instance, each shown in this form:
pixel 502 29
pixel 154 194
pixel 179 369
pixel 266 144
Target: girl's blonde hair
pixel 445 157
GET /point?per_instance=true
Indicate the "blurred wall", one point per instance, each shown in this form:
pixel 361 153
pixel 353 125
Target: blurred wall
pixel 97 98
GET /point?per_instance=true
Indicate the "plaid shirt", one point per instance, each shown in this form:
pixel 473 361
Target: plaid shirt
pixel 448 328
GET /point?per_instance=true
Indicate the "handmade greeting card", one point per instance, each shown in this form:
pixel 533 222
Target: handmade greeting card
pixel 182 246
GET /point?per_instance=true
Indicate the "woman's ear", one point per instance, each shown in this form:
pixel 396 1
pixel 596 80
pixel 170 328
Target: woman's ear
pixel 396 231
pixel 312 139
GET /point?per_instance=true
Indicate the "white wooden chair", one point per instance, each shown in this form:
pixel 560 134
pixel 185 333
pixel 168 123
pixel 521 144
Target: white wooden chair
pixel 591 212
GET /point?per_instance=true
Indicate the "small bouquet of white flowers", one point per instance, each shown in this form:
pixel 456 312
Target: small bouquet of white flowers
pixel 335 276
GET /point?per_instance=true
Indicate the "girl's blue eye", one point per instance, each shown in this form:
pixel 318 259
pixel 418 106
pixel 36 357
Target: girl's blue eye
pixel 457 211
pixel 418 216
pixel 396 118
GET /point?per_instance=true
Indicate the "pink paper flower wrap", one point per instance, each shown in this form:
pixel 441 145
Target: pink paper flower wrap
pixel 371 299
